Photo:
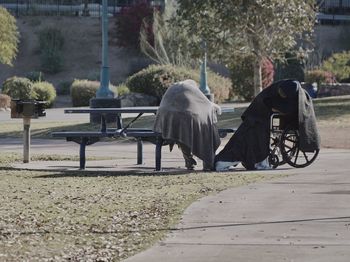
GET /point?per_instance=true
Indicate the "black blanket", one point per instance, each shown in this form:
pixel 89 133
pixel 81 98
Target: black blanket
pixel 250 143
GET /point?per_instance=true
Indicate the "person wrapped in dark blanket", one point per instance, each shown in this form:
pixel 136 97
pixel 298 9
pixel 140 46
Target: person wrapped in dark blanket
pixel 250 143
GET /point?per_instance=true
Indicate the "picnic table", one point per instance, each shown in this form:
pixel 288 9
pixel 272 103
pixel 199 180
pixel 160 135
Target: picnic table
pixel 85 138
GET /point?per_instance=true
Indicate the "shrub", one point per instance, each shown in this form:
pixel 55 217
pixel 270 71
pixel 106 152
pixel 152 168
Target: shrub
pixel 319 76
pixel 51 38
pixel 121 89
pixel 339 65
pixel 44 91
pixel 51 43
pixel 18 88
pixel 242 76
pixel 35 76
pixel 5 101
pixel 51 61
pixel 83 90
pixel 155 79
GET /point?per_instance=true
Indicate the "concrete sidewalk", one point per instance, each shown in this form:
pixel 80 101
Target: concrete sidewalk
pixel 304 217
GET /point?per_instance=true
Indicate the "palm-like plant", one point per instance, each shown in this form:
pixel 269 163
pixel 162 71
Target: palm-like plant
pixel 169 44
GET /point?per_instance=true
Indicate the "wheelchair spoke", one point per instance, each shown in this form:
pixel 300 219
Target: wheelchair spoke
pixel 296 156
pixel 290 140
pixel 290 148
pixel 305 155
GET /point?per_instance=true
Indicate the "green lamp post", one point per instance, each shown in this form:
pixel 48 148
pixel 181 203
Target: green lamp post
pixel 104 90
pixel 105 98
pixel 203 86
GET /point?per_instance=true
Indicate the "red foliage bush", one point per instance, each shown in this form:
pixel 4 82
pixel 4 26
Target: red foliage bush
pixel 319 76
pixel 129 22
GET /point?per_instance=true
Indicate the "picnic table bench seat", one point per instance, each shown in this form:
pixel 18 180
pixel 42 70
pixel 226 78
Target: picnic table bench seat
pixel 85 138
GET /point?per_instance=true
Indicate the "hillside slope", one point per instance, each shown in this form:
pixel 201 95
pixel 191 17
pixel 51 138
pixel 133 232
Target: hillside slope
pixel 82 50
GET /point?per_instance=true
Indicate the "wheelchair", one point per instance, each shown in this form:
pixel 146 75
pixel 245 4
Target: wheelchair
pixel 284 144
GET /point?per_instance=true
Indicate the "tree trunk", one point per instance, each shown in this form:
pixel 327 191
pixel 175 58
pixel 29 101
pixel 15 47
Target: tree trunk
pixel 257 77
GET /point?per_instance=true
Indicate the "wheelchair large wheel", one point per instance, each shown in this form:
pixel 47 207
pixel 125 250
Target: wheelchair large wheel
pixel 290 150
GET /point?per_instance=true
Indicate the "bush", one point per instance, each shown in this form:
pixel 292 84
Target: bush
pixel 242 76
pixel 155 80
pixel 18 88
pixel 319 77
pixel 44 91
pixel 51 61
pixel 82 91
pixel 121 89
pixel 51 38
pixel 35 76
pixel 5 101
pixel 339 65
pixel 51 43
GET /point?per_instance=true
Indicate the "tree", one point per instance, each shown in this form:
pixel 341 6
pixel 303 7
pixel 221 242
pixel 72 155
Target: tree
pixel 129 22
pixel 234 29
pixel 8 37
pixel 170 44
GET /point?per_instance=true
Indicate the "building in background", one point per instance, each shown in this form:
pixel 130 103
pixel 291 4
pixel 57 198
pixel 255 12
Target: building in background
pixel 333 11
pixel 70 7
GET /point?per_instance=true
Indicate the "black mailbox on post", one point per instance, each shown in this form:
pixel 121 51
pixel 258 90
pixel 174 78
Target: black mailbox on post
pixel 27 108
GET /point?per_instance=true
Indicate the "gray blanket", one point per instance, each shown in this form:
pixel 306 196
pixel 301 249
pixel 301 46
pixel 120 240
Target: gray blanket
pixel 308 133
pixel 186 116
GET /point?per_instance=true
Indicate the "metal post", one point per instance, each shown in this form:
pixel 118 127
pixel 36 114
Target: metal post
pixel 203 86
pixel 139 151
pixel 104 90
pixel 17 8
pixel 26 139
pixel 104 96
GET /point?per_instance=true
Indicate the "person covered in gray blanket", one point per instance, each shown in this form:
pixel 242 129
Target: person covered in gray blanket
pixel 250 143
pixel 187 118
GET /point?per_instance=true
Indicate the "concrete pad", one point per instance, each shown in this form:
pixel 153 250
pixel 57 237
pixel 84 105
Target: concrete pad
pixel 120 155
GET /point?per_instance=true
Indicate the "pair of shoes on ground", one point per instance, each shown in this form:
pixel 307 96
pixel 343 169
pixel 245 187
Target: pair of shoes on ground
pixel 263 165
pixel 222 166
